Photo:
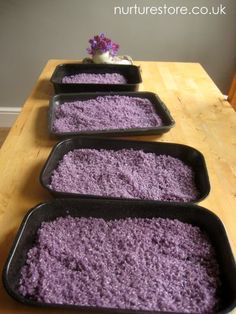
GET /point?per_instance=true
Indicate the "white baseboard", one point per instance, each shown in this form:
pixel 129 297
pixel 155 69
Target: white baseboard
pixel 8 116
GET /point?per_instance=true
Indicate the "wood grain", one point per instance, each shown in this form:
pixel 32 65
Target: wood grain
pixel 203 118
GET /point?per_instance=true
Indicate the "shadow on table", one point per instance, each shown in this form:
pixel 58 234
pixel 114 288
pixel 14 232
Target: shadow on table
pixel 41 128
pixel 31 187
pixel 144 138
pixel 5 246
pixel 43 90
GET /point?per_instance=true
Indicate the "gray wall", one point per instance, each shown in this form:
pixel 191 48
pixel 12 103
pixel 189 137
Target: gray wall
pixel 33 31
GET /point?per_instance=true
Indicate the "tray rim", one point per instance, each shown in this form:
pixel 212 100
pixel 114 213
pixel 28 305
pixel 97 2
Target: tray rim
pixel 103 139
pixel 57 68
pixel 113 132
pixel 26 220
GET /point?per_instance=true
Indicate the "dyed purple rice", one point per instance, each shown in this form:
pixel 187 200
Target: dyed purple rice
pixel 142 264
pixel 108 112
pixel 92 78
pixel 125 173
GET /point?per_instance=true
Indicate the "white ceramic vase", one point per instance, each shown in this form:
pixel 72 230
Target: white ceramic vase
pixel 103 57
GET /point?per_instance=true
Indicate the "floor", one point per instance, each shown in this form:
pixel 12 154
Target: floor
pixel 3 134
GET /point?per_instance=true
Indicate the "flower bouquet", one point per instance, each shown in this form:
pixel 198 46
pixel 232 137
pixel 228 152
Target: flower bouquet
pixel 104 50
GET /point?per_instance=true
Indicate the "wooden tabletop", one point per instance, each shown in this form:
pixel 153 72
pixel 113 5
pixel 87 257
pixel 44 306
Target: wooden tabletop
pixel 203 118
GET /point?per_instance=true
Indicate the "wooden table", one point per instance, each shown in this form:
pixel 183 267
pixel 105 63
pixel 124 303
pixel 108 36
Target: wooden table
pixel 203 118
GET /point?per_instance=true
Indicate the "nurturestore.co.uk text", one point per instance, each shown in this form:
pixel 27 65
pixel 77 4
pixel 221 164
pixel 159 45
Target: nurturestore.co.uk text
pixel 169 10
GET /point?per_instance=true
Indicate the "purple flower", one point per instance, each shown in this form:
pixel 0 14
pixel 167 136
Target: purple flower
pixel 100 43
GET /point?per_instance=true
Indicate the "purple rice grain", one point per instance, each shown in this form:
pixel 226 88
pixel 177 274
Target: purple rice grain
pixel 92 78
pixel 125 173
pixel 141 264
pixel 107 112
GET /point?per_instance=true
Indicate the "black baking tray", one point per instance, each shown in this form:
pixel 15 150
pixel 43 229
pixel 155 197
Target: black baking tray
pixel 187 154
pixel 114 209
pixel 158 105
pixel 130 72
